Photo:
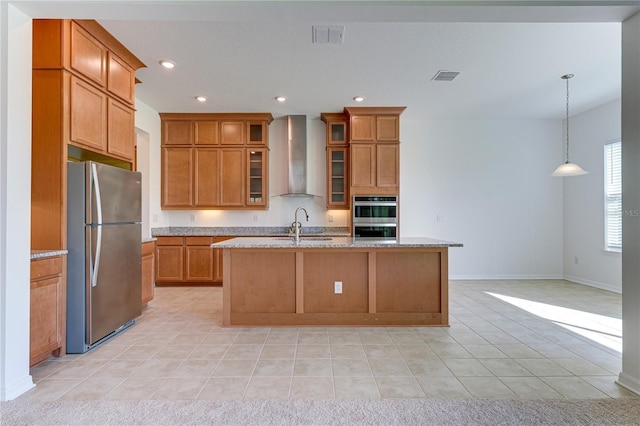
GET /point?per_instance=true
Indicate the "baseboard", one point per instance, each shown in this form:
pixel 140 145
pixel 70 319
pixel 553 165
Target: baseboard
pixel 601 286
pixel 628 382
pixel 505 277
pixel 576 280
pixel 16 389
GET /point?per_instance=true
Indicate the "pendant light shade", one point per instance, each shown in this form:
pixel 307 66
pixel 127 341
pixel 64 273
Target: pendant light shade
pixel 568 168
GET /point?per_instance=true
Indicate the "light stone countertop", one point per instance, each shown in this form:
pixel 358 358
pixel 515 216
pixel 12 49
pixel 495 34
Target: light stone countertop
pixel 246 231
pixel 331 242
pixel 42 254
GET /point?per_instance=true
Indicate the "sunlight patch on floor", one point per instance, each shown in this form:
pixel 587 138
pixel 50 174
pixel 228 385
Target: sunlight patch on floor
pixel 601 329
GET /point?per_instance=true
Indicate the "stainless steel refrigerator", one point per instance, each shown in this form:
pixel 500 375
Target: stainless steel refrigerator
pixel 104 261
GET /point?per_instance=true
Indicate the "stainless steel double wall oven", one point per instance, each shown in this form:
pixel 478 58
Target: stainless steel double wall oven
pixel 375 217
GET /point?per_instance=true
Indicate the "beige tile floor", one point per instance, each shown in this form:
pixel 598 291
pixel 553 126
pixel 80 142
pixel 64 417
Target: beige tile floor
pixel 508 339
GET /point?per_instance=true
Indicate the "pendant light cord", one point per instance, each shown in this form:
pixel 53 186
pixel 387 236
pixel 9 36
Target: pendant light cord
pixel 567 121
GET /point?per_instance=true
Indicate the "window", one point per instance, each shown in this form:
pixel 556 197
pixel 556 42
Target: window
pixel 613 196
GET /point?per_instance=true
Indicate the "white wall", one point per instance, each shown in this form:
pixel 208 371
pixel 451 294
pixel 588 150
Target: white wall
pixel 15 200
pixel 488 180
pixel 485 184
pixel 585 260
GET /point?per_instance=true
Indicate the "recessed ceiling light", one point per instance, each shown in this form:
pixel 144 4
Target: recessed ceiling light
pixel 168 64
pixel 201 98
pixel 358 98
pixel 281 98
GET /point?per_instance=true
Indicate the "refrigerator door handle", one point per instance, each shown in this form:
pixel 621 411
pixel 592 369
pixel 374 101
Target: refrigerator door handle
pixel 96 263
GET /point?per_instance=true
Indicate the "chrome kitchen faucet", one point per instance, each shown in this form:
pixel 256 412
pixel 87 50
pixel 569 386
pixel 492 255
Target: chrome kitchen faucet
pixel 296 227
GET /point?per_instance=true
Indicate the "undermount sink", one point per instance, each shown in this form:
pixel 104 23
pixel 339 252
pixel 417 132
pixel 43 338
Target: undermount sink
pixel 306 239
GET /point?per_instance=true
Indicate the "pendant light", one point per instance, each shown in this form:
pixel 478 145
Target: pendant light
pixel 568 168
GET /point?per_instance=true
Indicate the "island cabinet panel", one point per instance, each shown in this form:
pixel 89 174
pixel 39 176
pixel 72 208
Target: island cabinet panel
pixel 408 282
pixel 322 270
pixel 294 286
pixel 265 282
pixel 148 271
pixel 218 259
pixel 47 309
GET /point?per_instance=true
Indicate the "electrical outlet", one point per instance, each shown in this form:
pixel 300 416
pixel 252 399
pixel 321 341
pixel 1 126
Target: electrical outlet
pixel 154 218
pixel 255 217
pixel 330 218
pixel 337 287
pixel 576 260
pixel 193 217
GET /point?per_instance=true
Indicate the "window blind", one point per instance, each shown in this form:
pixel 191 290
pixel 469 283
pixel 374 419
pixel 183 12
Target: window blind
pixel 613 195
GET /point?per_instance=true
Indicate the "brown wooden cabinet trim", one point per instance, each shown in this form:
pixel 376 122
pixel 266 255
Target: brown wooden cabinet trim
pixel 221 116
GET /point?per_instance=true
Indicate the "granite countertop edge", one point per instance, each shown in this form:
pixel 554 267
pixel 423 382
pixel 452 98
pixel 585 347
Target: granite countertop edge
pixel 242 231
pixel 43 254
pixel 336 242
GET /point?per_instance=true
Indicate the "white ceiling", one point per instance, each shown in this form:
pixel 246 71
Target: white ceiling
pixel 243 54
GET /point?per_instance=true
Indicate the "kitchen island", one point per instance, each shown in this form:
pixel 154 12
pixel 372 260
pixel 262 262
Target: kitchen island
pixel 339 281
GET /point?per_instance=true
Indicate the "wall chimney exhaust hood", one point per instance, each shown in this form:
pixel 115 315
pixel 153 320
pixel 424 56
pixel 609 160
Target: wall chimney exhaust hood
pixel 297 157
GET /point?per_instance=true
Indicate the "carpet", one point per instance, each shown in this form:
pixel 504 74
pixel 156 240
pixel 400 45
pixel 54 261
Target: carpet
pixel 324 412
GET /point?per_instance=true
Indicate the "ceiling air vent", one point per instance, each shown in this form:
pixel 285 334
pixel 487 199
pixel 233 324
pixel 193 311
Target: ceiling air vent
pixel 445 76
pixel 328 34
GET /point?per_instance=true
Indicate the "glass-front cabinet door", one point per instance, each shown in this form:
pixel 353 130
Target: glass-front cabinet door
pixel 337 196
pixel 257 179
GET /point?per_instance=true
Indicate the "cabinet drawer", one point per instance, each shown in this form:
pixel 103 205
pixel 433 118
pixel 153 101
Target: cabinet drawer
pixel 199 241
pixel 169 241
pixel 46 267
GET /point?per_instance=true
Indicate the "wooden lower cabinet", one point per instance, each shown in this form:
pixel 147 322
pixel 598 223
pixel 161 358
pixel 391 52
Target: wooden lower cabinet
pixel 186 261
pixel 47 309
pixel 148 271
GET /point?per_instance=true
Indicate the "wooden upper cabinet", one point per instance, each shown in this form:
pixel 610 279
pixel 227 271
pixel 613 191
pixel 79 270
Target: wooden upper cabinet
pixel 363 128
pixel 257 133
pixel 88 118
pixel 232 133
pixel 374 124
pixel 207 177
pixel 232 177
pixel 388 165
pixel 229 160
pixel 88 55
pixel 363 165
pixel 336 130
pixel 388 128
pixel 121 79
pixel 177 132
pixel 121 134
pixel 206 132
pixel 177 177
